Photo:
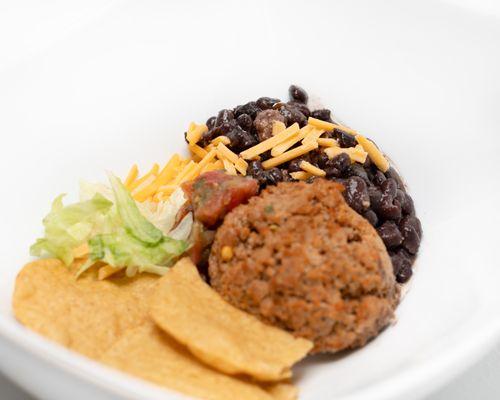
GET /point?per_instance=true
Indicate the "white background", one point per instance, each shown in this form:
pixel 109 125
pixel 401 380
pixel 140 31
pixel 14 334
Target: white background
pixel 29 27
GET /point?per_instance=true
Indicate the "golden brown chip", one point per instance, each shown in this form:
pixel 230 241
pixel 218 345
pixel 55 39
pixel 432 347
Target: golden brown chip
pixel 149 353
pixel 85 314
pixel 224 337
pixel 283 391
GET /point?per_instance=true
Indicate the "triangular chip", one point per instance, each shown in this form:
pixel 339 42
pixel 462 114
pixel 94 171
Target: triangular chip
pixel 84 314
pixel 149 353
pixel 226 338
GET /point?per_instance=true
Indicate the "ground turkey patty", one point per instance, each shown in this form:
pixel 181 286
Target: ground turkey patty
pixel 304 261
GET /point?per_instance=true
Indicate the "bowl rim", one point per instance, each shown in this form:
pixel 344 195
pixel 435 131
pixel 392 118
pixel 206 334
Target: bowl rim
pixel 419 380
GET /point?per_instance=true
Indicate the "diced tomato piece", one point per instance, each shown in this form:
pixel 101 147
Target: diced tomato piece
pixel 215 193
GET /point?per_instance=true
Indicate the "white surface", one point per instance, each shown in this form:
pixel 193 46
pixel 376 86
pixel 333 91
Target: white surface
pixel 99 85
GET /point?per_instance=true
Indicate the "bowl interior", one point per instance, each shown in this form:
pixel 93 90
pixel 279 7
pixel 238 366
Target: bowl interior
pixel 122 88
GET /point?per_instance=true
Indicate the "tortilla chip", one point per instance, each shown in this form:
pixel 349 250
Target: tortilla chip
pixel 283 391
pixel 224 337
pixel 151 354
pixel 84 314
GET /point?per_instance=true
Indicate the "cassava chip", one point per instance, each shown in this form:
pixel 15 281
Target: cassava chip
pixel 84 314
pixel 149 353
pixel 226 338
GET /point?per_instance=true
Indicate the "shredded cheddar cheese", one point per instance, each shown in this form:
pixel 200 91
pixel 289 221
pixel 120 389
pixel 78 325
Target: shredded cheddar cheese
pixel 270 143
pixel 131 176
pixel 195 132
pixel 356 154
pixel 284 146
pixel 213 166
pixel 289 155
pixel 300 175
pixel 165 175
pixel 197 150
pixel 318 123
pixel 208 158
pixel 138 182
pixel 229 167
pixel 324 142
pixel 223 153
pixel 278 127
pixel 329 126
pixel 313 135
pixel 221 139
pixel 374 153
pixel 313 170
pixel 148 181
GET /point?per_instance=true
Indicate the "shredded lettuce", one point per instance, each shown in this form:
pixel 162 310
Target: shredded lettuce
pixel 117 232
pixel 134 222
pixel 67 227
pixel 121 249
pixel 161 214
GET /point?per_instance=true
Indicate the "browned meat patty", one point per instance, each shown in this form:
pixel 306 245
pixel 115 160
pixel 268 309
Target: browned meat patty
pixel 300 258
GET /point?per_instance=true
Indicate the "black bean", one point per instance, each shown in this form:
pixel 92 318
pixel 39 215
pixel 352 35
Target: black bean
pixel 318 158
pixel 371 216
pixel 254 167
pixel 274 175
pixel 294 165
pixel 337 165
pixel 293 115
pixel 345 139
pixel 389 207
pixel 249 108
pixel 223 128
pixel 408 206
pixel 389 210
pixel 356 194
pixel 256 171
pixel 378 177
pixel 401 198
pixel 391 173
pixel 245 121
pixel 375 197
pixel 390 234
pixel 286 176
pixel 389 188
pixel 412 231
pixel 368 164
pixel 264 122
pixel 266 155
pixel 240 139
pixel 207 137
pixel 323 114
pixel 297 93
pixel 357 170
pixel 401 265
pixel 301 107
pixel 224 117
pixel 265 103
pixel 211 122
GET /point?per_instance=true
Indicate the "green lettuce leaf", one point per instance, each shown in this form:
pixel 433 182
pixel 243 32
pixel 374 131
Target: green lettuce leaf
pixel 121 249
pixel 134 222
pixel 67 227
pixel 117 233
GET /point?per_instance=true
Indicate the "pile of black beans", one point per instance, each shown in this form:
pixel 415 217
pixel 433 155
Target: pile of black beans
pixel 379 197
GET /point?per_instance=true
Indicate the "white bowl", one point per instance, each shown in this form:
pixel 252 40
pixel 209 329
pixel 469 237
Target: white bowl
pixel 421 79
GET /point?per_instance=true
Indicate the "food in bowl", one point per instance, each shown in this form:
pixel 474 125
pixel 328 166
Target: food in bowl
pixel 281 224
